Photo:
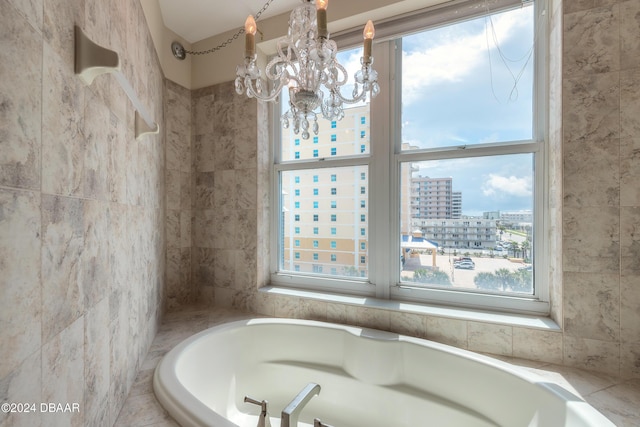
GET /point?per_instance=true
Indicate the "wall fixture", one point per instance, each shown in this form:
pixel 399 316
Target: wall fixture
pixel 306 64
pixel 92 60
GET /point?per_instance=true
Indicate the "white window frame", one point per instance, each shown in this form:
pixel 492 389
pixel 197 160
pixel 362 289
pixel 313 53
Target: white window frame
pixel 386 156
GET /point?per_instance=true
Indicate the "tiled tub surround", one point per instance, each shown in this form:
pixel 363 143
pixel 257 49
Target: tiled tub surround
pixel 601 244
pixel 230 194
pixel 81 212
pixel 616 398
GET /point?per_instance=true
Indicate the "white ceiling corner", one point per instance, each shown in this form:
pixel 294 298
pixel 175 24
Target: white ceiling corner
pixel 195 20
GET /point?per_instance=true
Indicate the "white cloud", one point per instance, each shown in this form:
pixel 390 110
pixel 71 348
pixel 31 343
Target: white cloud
pixel 448 62
pixel 454 57
pixel 501 185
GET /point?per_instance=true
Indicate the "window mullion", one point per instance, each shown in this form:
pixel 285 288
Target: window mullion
pixel 381 210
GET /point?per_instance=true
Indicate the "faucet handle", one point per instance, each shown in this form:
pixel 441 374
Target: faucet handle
pixel 263 419
pixel 262 403
pixel 318 423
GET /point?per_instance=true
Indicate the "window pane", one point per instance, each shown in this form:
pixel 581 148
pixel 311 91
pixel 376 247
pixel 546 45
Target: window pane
pixel 469 83
pixel 468 223
pixel 336 227
pixel 346 137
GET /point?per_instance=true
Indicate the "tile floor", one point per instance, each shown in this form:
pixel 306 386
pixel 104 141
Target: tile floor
pixel 616 398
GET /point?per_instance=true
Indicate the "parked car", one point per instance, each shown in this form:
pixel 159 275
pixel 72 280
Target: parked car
pixel 467 265
pixel 463 258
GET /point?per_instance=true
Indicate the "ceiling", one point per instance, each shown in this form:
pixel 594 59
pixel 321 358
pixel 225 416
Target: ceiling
pixel 195 20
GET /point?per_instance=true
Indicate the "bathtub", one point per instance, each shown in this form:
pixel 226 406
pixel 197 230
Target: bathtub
pixel 367 377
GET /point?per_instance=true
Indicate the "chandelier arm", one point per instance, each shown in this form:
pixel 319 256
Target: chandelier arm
pixel 276 69
pixel 282 53
pixel 362 96
pixel 253 92
pixel 334 76
pixel 361 89
pixel 345 75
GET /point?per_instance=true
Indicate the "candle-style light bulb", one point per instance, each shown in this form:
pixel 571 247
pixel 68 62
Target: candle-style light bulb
pixel 250 29
pixel 321 17
pixel 368 33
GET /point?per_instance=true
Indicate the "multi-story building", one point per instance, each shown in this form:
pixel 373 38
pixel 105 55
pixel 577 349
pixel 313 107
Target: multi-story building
pixel 436 211
pixel 517 218
pixel 464 233
pixel 325 210
pixel 434 198
pixel 456 204
pixel 491 215
pixel 524 217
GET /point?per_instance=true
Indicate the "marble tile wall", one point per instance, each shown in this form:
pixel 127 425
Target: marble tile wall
pixel 554 158
pixel 594 201
pixel 82 246
pixel 181 289
pixel 601 139
pixel 230 206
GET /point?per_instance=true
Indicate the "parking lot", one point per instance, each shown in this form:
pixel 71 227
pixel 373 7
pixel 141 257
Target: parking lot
pixel 459 277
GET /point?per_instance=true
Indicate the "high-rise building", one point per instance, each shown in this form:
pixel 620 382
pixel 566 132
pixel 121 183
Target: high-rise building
pixel 434 198
pixel 326 210
pixel 456 205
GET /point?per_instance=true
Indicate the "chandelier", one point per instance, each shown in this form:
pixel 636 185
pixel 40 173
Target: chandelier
pixel 306 64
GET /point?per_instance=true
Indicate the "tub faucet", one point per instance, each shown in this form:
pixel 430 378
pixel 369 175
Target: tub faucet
pixel 289 417
pixel 263 419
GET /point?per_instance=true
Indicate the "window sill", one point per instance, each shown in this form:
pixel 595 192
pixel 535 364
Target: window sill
pixel 511 319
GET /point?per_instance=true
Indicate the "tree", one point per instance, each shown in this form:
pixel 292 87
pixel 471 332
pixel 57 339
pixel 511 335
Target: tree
pixel 505 280
pixel 515 247
pixel 523 281
pixel 486 281
pixel 502 229
pixel 432 277
pixel 526 246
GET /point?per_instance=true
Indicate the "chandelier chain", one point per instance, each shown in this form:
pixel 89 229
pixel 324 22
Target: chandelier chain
pixel 230 40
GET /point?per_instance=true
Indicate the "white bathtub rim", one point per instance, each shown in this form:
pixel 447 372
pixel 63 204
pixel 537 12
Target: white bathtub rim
pixel 188 410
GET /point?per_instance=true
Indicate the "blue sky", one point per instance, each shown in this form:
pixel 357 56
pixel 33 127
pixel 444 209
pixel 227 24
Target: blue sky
pixel 459 87
pixel 467 84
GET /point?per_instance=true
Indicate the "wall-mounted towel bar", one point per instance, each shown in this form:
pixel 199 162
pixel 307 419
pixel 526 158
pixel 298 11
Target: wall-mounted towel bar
pixel 91 60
